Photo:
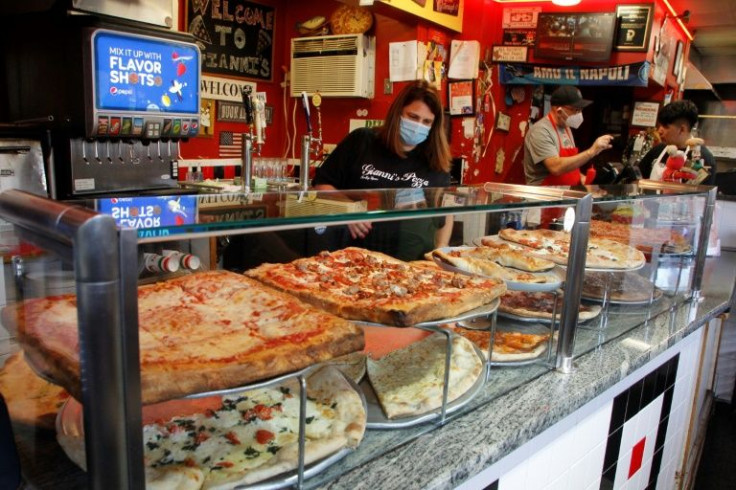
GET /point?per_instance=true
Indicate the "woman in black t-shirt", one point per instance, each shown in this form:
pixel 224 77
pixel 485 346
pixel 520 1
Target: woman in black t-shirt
pixel 409 152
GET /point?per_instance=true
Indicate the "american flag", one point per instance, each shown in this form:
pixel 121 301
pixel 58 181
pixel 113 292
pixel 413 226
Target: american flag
pixel 231 144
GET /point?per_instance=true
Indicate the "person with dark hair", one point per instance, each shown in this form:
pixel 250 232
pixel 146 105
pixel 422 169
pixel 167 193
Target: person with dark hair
pixel 675 123
pixel 409 152
pixel 550 154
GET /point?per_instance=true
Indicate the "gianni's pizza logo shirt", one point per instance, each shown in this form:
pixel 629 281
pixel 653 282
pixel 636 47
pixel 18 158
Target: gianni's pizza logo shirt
pixel 361 161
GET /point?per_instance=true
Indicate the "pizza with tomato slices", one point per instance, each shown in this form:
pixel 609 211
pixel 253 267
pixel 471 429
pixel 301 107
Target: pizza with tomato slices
pixel 238 439
pixel 555 246
pixel 363 285
pixel 200 332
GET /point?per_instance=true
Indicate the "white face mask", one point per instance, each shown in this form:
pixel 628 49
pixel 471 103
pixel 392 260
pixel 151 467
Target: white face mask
pixel 575 120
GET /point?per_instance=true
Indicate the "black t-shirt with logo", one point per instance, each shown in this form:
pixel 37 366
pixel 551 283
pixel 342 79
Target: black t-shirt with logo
pixel 361 161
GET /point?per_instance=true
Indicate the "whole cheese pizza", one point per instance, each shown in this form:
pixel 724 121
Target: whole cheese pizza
pixel 359 284
pixel 555 246
pixel 483 261
pixel 665 240
pixel 627 287
pixel 541 305
pixel 409 381
pixel 200 332
pixel 239 439
pixel 30 399
pixel 507 346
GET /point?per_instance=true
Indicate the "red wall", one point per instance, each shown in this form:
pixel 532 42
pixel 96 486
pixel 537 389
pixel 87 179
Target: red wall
pixel 482 22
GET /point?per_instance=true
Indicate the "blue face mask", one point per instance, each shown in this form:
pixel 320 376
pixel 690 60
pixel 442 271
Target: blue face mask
pixel 412 133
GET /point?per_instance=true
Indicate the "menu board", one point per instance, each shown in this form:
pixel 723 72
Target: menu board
pixel 236 38
pixel 142 74
pixel 575 36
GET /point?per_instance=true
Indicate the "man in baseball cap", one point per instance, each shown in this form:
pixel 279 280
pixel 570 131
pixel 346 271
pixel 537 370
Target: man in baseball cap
pixel 550 154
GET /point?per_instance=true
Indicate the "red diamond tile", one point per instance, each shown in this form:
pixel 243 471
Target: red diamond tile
pixel 637 454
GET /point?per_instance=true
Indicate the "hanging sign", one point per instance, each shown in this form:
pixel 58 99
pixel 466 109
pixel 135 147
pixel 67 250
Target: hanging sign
pixel 633 75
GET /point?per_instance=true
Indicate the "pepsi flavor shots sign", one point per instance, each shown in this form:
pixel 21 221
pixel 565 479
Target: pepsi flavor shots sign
pixel 144 86
pixel 150 212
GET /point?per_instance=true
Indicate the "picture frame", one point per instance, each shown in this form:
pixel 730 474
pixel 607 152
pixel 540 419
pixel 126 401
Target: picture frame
pixel 460 97
pixel 509 54
pixel 503 122
pixel 519 37
pixel 677 65
pixel 633 26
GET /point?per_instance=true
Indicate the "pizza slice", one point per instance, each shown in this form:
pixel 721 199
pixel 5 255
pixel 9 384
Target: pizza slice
pixel 555 246
pixel 484 261
pixel 541 305
pixel 507 346
pixel 510 256
pixel 409 381
pixel 30 399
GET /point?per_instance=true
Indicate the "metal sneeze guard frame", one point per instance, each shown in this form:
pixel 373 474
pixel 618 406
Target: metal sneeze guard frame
pixel 108 327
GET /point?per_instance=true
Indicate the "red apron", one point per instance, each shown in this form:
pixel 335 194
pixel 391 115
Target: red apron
pixel 573 176
pixel 570 178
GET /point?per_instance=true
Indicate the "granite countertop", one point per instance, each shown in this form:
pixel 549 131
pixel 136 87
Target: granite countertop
pixel 446 456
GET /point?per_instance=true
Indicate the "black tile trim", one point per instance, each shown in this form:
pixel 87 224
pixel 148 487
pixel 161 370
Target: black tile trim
pixel 630 402
pixel 492 486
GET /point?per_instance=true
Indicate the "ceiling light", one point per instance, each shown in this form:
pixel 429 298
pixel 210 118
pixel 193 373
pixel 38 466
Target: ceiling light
pixel 566 3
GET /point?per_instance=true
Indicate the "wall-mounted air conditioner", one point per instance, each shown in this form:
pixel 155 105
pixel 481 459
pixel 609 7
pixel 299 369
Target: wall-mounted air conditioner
pixel 334 66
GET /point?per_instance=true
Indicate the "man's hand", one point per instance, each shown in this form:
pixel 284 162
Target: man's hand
pixel 360 230
pixel 601 144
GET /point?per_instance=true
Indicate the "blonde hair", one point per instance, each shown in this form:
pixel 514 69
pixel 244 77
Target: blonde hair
pixel 435 148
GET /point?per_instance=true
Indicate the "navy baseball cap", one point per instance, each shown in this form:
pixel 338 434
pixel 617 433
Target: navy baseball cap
pixel 569 96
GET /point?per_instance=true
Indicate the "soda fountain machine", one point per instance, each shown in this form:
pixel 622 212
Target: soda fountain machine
pixel 115 97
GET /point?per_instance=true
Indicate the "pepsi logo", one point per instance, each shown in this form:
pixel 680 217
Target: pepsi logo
pixel 113 90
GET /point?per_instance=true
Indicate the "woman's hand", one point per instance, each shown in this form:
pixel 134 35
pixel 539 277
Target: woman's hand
pixel 360 230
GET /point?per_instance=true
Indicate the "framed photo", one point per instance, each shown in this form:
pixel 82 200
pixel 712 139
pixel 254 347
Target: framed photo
pixel 505 54
pixel 460 97
pixel 503 122
pixel 519 37
pixel 633 26
pixel 677 65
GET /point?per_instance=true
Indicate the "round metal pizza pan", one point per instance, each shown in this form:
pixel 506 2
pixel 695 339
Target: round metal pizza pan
pixel 526 319
pixel 378 420
pixel 657 296
pixel 70 424
pixel 553 280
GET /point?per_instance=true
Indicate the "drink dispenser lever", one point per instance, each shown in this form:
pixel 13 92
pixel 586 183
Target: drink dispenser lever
pixel 246 172
pixel 307 115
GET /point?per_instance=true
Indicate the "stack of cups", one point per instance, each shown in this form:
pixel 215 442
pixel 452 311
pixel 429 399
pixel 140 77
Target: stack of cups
pixel 185 261
pixel 160 263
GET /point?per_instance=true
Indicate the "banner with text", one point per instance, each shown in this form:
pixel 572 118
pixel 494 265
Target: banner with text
pixel 633 75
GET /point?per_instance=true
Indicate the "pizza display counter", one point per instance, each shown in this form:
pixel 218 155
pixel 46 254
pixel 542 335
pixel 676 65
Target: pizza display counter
pixel 531 323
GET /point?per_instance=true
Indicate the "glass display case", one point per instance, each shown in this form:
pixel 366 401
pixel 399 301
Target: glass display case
pixel 611 259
